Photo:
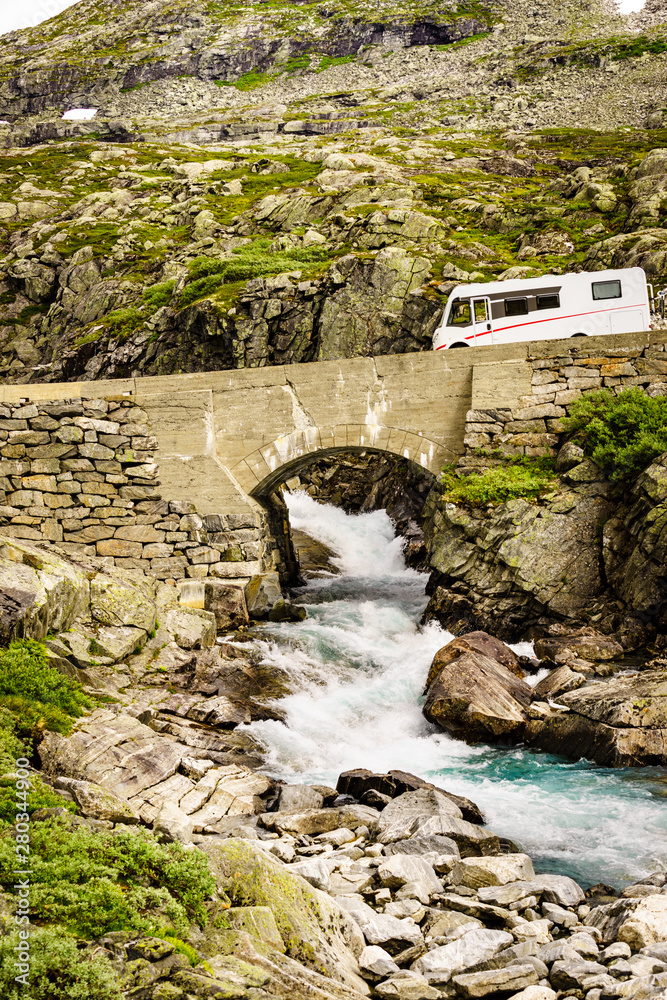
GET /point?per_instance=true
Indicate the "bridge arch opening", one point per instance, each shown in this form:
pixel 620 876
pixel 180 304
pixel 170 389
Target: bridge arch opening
pixel 358 480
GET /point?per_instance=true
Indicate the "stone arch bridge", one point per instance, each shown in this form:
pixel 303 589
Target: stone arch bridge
pixel 227 439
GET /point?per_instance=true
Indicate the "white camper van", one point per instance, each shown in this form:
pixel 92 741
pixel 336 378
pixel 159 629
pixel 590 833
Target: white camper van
pixel 549 307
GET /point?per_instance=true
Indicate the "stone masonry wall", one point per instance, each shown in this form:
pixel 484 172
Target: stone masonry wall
pixel 82 474
pixel 533 426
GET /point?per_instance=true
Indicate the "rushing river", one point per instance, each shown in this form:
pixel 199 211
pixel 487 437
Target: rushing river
pixel 358 666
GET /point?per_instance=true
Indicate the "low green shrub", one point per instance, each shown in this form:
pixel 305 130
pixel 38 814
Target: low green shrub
pixel 36 694
pixel 123 322
pixel 11 746
pixel 58 969
pixel 622 433
pixel 638 46
pixel 255 260
pixel 526 478
pixel 121 879
pixel 39 797
pixel 158 295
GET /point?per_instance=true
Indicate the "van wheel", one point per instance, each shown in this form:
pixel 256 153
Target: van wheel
pixel 458 345
pixel 578 335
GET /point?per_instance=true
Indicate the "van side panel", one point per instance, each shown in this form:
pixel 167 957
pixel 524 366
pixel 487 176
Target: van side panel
pixel 579 312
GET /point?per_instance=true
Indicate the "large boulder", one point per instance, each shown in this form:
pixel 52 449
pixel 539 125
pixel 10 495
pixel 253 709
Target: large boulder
pixel 375 312
pixel 134 763
pixel 40 592
pixel 426 813
pixel 475 642
pixel 97 802
pixel 506 568
pixel 285 978
pixel 558 682
pixel 617 721
pixel 227 602
pixel 496 982
pixel 261 594
pixel 314 821
pixel 122 599
pixel 478 872
pixel 314 928
pixel 585 644
pixel 475 946
pixel 634 544
pixel 645 247
pixel 394 934
pixel 360 781
pixel 640 922
pixel 406 985
pixel 474 696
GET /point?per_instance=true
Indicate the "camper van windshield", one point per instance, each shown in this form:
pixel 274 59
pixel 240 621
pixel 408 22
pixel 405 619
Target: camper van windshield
pixel 460 313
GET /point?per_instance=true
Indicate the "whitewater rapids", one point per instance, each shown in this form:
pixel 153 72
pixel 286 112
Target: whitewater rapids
pixel 358 666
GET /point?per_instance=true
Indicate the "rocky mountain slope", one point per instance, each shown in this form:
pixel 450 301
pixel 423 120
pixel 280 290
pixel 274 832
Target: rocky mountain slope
pixel 274 184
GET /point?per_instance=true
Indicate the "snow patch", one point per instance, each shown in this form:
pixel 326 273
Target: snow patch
pixel 80 114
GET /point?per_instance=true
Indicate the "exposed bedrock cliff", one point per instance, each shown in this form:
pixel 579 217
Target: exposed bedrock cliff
pixel 584 554
pixel 520 564
pixel 359 306
pixel 207 41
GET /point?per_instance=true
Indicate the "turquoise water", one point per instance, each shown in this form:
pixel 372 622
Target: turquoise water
pixel 358 666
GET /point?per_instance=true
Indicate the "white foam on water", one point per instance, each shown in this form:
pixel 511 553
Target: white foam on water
pixel 365 544
pixel 357 667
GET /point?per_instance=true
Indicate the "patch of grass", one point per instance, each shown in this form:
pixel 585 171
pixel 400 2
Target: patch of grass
pixel 252 261
pixel 623 433
pixel 327 61
pixel 89 338
pixel 35 693
pixel 252 80
pixel 123 322
pixel 33 310
pixel 101 237
pixel 199 289
pixel 111 880
pixel 183 948
pixel 587 144
pixel 158 295
pixel 524 478
pixel 296 63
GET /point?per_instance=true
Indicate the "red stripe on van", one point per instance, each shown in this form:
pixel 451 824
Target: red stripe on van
pixel 534 322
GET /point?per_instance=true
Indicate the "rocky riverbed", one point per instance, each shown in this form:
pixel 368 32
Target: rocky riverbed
pixel 404 899
pixel 376 882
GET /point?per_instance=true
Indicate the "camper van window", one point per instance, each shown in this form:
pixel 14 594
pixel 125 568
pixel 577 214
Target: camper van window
pixel 460 314
pixel 548 301
pixel 606 289
pixel 516 307
pixel 480 310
